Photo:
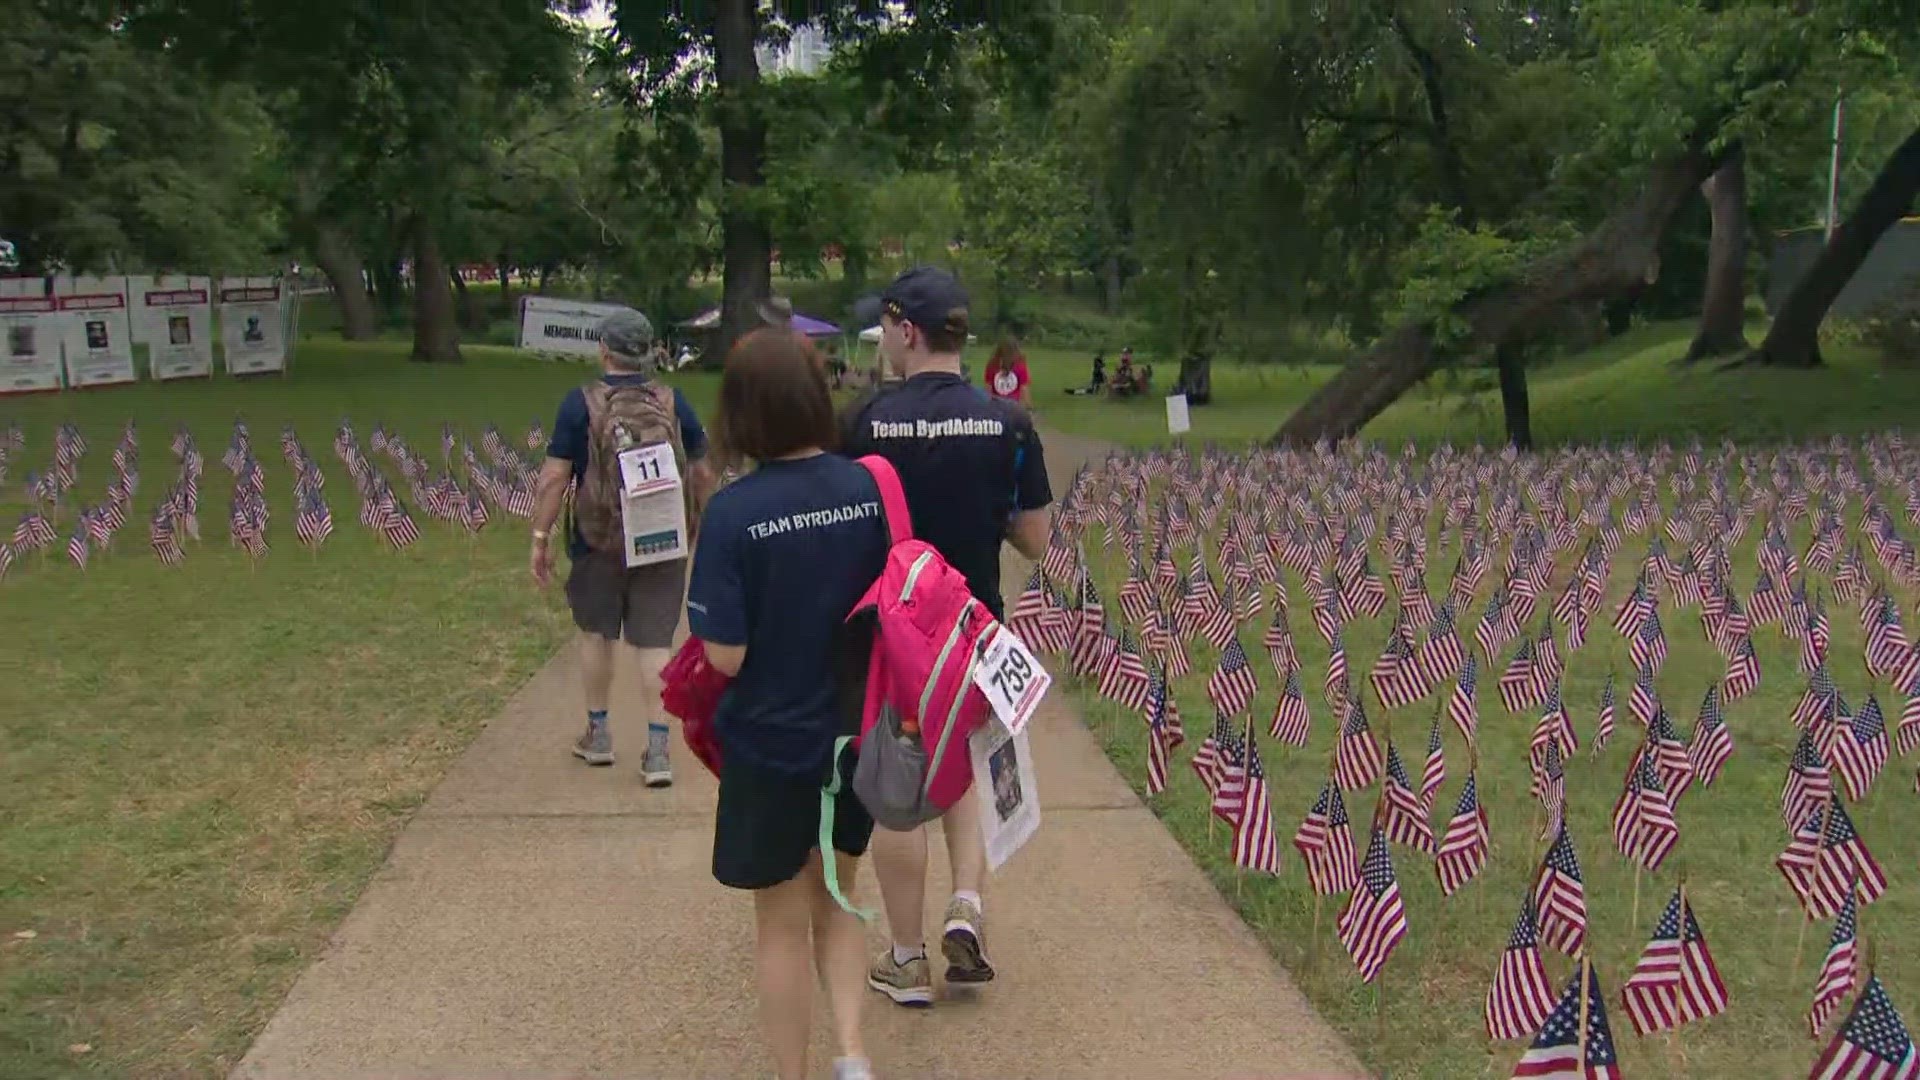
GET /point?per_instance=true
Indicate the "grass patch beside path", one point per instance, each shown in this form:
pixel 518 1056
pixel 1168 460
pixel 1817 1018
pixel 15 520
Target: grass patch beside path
pixel 1435 984
pixel 1626 389
pixel 200 768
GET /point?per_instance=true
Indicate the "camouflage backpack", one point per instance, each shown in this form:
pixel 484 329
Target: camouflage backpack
pixel 646 413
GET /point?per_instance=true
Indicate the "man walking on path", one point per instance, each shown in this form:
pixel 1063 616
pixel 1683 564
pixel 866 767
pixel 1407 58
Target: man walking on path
pixel 610 600
pixel 974 476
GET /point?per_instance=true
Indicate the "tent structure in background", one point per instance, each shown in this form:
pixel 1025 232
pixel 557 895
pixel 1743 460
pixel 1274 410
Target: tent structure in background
pixel 806 324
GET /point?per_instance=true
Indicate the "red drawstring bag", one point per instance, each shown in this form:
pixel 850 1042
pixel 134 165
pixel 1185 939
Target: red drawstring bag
pixel 690 689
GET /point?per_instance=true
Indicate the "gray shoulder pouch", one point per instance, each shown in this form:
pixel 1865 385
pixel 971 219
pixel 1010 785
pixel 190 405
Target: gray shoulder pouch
pixel 891 776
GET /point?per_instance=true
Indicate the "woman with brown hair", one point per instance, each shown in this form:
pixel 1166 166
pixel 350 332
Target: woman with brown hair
pixel 784 553
pixel 1007 373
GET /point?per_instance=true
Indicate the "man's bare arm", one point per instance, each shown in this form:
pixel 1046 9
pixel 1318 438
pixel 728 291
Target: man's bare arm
pixel 1029 530
pixel 551 491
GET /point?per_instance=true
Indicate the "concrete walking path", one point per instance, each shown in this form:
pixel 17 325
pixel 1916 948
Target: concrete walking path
pixel 540 920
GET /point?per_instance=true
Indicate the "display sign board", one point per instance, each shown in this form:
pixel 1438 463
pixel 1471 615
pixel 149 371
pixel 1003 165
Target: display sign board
pixel 173 316
pixel 30 348
pixel 96 334
pixel 252 325
pixel 565 327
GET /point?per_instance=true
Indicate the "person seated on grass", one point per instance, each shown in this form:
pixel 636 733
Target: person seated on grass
pixel 1099 380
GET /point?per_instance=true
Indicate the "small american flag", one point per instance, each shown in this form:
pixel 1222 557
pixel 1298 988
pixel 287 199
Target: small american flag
pixel 1357 760
pixel 1872 1045
pixel 1160 732
pixel 1743 669
pixel 1676 981
pixel 1253 843
pixel 1644 829
pixel 1859 748
pixel 1404 819
pixel 1463 706
pixel 1278 641
pixel 1839 972
pixel 1232 685
pixel 1649 648
pixel 1463 849
pixel 1556 1052
pixel 1808 785
pixel 1561 896
pixel 1712 740
pixel 1325 843
pixel 77 547
pixel 1291 721
pixel 1229 771
pixel 6 559
pixel 164 541
pixel 1520 999
pixel 1520 684
pixel 1434 772
pixel 1374 919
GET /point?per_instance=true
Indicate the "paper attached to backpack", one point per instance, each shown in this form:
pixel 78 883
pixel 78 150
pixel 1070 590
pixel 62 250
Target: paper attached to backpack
pixel 653 508
pixel 1010 677
pixel 1004 782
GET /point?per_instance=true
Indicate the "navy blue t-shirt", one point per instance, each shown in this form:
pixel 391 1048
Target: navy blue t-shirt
pixel 569 441
pixel 967 462
pixel 784 552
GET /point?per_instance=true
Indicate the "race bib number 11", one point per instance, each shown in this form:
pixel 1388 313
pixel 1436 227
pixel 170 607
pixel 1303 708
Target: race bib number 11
pixel 1010 677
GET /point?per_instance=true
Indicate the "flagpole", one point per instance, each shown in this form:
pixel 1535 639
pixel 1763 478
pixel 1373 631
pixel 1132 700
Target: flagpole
pixel 1586 969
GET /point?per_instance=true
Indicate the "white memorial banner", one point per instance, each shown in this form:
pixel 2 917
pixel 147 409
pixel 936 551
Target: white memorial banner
pixel 30 351
pixel 1004 782
pixel 1178 422
pixel 252 325
pixel 176 315
pixel 557 325
pixel 97 333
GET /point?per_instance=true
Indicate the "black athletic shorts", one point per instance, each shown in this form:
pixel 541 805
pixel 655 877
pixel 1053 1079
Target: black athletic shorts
pixel 641 604
pixel 767 822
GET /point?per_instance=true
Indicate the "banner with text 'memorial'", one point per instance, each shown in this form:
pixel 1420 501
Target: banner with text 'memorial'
pixel 30 348
pixel 252 325
pixel 550 324
pixel 95 330
pixel 173 318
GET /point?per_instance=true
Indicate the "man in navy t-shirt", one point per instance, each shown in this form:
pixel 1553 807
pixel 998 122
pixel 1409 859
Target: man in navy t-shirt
pixel 610 600
pixel 974 476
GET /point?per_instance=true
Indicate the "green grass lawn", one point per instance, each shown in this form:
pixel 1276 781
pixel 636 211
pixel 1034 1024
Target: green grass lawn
pixel 1434 986
pixel 1626 389
pixel 201 767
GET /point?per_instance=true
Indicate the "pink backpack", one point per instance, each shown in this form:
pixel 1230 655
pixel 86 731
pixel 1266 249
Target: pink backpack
pixel 928 632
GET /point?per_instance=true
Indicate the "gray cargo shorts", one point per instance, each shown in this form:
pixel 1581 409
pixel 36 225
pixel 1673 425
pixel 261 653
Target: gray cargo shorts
pixel 641 604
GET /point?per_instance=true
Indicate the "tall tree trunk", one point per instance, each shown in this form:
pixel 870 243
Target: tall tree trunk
pixel 468 309
pixel 853 265
pixel 746 246
pixel 1511 358
pixel 341 263
pixel 436 336
pixel 506 285
pixel 1110 283
pixel 1622 252
pixel 1794 338
pixel 1723 307
pixel 546 271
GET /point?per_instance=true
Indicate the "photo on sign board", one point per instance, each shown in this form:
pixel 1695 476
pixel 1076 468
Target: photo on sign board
pixel 253 335
pixel 179 330
pixel 1004 764
pixel 20 341
pixel 97 335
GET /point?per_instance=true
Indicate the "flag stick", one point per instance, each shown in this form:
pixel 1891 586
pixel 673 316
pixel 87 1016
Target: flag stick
pixel 1634 920
pixel 1800 942
pixel 1585 998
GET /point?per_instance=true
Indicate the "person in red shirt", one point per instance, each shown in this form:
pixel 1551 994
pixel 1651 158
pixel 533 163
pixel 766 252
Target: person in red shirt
pixel 1007 373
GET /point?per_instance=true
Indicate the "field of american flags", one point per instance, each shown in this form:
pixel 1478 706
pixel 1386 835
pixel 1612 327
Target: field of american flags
pixel 203 759
pixel 1538 779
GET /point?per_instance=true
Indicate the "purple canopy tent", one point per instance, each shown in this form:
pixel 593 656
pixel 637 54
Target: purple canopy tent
pixel 806 324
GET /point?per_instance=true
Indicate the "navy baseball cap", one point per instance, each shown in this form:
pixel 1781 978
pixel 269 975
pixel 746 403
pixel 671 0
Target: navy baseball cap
pixel 926 296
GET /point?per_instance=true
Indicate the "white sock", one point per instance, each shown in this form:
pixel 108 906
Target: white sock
pixel 971 898
pixel 902 953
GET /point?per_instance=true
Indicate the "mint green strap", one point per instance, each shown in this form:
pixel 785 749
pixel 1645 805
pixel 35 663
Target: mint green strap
pixel 829 859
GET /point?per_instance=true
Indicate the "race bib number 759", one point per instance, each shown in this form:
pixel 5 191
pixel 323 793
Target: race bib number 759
pixel 1010 677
